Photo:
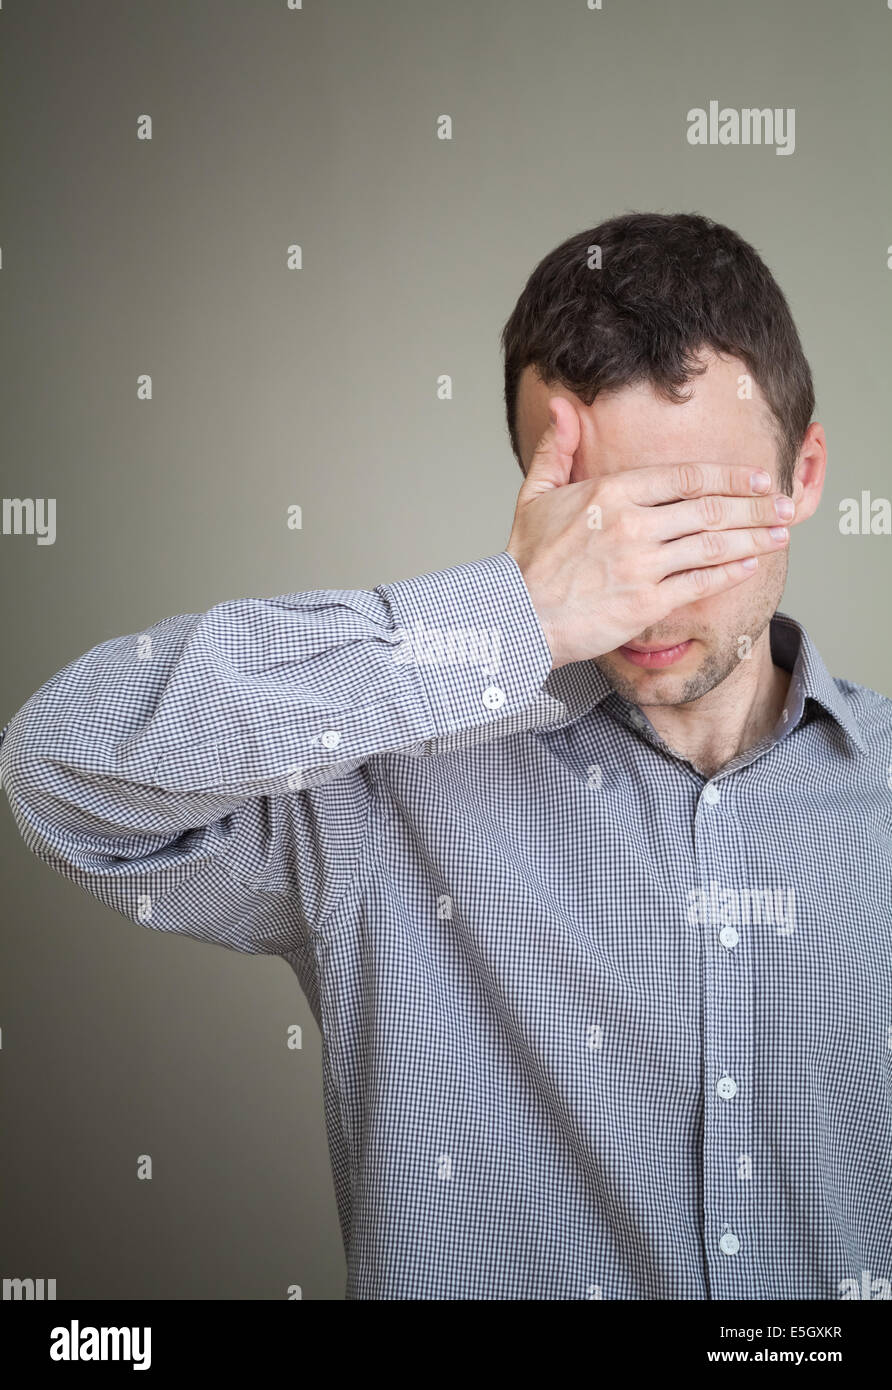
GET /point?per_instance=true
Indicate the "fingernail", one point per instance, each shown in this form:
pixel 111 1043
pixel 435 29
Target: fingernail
pixel 760 481
pixel 749 563
pixel 778 533
pixel 784 508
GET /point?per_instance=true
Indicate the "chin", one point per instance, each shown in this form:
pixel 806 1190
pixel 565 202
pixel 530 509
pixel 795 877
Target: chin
pixel 677 683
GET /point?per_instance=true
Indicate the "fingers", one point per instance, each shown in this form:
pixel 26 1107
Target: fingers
pixel 711 548
pixel 715 513
pixel 552 458
pixel 691 585
pixel 658 483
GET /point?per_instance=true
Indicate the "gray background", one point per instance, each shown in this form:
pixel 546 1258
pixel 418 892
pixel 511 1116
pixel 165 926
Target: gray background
pixel 318 387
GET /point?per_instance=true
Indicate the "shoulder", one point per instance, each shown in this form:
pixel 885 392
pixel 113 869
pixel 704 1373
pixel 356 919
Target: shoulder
pixel 872 712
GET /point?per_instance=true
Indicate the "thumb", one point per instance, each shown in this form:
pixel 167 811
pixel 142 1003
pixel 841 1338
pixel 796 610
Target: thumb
pixel 552 459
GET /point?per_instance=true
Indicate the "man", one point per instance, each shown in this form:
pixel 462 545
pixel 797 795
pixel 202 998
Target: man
pixel 581 857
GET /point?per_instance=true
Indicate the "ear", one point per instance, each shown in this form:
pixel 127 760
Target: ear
pixel 811 468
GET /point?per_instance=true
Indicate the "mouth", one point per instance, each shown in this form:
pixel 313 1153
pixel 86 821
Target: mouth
pixel 654 657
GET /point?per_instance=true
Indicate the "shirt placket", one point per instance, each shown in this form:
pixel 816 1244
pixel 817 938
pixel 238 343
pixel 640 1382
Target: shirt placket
pixel 728 944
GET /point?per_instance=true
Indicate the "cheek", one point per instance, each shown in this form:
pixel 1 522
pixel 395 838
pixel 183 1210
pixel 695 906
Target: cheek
pixel 740 610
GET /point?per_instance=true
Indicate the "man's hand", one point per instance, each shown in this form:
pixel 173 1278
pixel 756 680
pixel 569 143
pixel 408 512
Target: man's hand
pixel 606 558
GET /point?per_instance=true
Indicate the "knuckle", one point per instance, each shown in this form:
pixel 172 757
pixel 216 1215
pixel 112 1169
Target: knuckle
pixel 688 479
pixel 628 524
pixel 713 543
pixel 604 494
pixel 700 580
pixel 712 510
pixel 736 481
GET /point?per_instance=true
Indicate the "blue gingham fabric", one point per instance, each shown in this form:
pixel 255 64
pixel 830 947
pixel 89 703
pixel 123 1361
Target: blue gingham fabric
pixel 594 1027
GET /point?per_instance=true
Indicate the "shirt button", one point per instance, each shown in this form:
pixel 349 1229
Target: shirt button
pixel 729 1244
pixel 331 738
pixel 727 1087
pixel 711 793
pixel 729 937
pixel 493 697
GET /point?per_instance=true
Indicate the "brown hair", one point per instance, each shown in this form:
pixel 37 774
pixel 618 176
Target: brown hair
pixel 670 285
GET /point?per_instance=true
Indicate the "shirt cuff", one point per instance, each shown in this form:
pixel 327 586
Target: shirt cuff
pixel 474 637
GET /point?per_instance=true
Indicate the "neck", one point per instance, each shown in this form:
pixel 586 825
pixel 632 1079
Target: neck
pixel 733 716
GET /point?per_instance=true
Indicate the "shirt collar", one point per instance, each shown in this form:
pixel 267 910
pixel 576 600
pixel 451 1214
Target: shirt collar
pixel 792 648
pixel 581 686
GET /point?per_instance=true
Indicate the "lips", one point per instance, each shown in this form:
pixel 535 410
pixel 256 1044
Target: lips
pixel 655 657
